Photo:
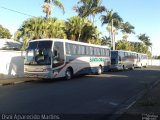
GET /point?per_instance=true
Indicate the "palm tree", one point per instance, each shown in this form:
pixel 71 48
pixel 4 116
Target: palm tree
pixel 81 29
pixel 113 20
pixel 55 28
pixel 32 28
pixel 47 8
pixel 4 32
pixel 112 17
pixel 145 39
pixel 123 45
pixel 125 37
pixel 74 27
pixel 89 8
pixel 90 33
pixel 106 41
pixel 37 28
pixel 127 28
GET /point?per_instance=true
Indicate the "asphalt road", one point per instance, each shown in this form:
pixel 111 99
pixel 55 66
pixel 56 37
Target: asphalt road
pixel 82 97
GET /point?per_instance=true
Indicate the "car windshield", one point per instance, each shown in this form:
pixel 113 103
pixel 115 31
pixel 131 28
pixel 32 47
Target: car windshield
pixel 38 53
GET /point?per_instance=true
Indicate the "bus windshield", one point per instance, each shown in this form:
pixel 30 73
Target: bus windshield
pixel 38 53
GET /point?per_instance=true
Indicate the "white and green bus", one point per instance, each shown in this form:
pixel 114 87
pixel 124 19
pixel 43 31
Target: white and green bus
pixel 55 58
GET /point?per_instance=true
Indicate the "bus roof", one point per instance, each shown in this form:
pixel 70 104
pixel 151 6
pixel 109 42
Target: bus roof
pixel 124 51
pixel 70 41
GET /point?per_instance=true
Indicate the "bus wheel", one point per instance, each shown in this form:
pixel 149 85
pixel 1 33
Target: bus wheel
pixel 132 68
pixel 99 70
pixel 68 74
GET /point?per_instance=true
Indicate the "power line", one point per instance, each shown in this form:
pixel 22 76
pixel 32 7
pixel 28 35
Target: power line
pixel 16 11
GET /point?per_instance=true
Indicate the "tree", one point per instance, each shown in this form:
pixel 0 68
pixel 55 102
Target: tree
pixel 4 33
pixel 106 41
pixel 107 19
pixel 125 37
pixel 90 33
pixel 113 20
pixel 74 26
pixel 47 8
pixel 139 47
pixel 145 39
pixel 89 8
pixel 37 28
pixel 123 45
pixel 127 28
pixel 81 29
pixel 55 28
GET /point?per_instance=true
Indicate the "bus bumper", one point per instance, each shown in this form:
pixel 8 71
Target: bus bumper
pixel 45 75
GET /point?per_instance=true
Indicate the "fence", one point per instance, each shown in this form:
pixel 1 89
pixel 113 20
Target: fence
pixel 11 64
pixel 154 62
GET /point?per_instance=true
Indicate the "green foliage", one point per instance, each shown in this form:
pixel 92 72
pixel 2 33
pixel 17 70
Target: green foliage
pixel 37 28
pixel 139 47
pixel 95 41
pixel 158 57
pixel 123 45
pixel 106 41
pixel 127 28
pixel 74 26
pixel 145 39
pixel 90 33
pixel 107 19
pixel 4 33
pixel 81 29
pixel 55 28
pixel 133 46
pixel 89 7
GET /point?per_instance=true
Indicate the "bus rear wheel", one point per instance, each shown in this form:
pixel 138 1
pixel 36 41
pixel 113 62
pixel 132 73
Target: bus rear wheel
pixel 68 74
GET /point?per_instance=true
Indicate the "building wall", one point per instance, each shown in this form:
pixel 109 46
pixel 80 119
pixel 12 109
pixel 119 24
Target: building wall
pixel 154 62
pixel 11 64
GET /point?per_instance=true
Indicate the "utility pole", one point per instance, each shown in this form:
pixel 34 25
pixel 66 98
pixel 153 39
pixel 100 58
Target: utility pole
pixel 112 36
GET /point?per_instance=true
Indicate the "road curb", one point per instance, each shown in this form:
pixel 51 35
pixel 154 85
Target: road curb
pixel 16 82
pixel 130 102
pixel 5 84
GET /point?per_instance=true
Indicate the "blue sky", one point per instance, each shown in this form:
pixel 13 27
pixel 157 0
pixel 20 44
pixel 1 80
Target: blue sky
pixel 142 14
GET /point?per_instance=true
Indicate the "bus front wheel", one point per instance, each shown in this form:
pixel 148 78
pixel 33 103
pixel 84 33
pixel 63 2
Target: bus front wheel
pixel 68 74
